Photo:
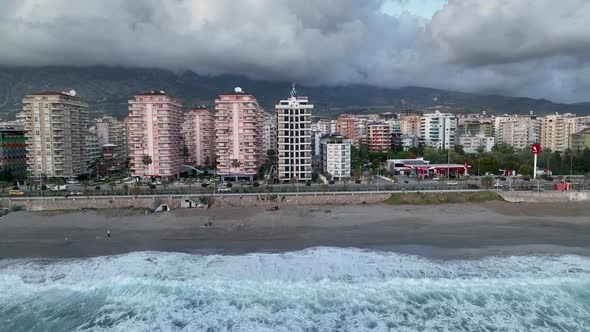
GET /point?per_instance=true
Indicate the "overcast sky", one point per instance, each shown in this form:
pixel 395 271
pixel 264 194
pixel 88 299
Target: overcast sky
pixel 533 48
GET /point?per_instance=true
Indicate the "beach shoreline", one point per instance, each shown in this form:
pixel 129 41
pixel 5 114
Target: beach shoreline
pixel 439 231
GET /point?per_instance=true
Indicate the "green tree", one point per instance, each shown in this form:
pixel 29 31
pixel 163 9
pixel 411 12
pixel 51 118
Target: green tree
pixel 487 182
pixel 525 169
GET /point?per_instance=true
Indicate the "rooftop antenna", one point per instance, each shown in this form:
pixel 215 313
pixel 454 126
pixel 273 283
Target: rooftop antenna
pixel 293 91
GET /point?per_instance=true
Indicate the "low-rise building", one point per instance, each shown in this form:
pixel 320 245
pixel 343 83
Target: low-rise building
pixel 13 151
pixel 335 156
pixel 475 143
pixel 581 140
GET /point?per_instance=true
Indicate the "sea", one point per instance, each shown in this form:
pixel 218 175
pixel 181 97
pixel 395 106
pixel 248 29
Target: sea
pixel 317 289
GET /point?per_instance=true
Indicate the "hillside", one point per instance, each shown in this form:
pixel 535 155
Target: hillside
pixel 107 89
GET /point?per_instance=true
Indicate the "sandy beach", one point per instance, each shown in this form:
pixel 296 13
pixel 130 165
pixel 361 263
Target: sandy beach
pixel 460 229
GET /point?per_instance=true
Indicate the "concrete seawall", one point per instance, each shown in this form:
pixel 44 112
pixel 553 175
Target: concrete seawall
pixel 221 201
pixel 545 196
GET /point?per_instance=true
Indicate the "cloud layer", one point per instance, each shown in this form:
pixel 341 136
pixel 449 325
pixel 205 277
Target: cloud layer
pixel 537 48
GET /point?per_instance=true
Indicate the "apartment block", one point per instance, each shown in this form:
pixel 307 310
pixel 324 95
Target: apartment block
pixel 556 131
pixel 155 133
pixel 270 132
pixel 198 132
pixel 335 156
pixel 112 132
pixel 92 144
pixel 238 135
pixel 580 140
pixel 472 143
pixel 294 138
pixel 56 127
pixel 378 136
pixel 410 125
pixel 517 131
pixel 437 130
pixel 346 125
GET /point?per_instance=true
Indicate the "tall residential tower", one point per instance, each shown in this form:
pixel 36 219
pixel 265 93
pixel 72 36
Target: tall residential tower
pixel 56 127
pixel 238 135
pixel 294 138
pixel 155 140
pixel 198 131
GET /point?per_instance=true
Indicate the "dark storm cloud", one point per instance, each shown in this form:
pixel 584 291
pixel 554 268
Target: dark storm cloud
pixel 534 48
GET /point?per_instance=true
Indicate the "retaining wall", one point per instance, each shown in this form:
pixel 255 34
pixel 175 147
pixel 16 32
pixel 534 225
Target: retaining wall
pixel 545 196
pixel 79 203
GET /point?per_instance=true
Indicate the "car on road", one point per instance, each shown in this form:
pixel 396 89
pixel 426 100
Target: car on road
pixel 223 189
pixel 15 193
pixel 435 178
pixel 72 181
pixel 452 183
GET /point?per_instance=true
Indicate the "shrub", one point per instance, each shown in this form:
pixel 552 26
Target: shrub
pixel 204 185
pixel 97 187
pixel 15 188
pixel 308 183
pixel 331 182
pixel 43 187
pixel 16 208
pixel 526 178
pixel 357 181
pixel 256 184
pixel 229 185
pixel 152 186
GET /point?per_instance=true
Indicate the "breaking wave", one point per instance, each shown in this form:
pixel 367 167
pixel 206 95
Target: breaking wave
pixel 318 289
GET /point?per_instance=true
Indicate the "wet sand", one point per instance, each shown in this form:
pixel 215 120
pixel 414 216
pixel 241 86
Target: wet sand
pixel 494 228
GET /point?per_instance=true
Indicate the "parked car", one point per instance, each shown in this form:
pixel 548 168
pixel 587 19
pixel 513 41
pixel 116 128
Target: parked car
pixel 223 189
pixel 452 183
pixel 72 181
pixel 15 193
pixel 435 178
pixel 60 187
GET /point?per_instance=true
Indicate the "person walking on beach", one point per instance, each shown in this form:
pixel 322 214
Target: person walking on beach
pixel 108 233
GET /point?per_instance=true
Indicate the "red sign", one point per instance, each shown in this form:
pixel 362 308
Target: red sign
pixel 536 148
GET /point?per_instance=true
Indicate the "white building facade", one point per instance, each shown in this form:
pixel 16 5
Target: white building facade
pixel 294 138
pixel 473 143
pixel 335 157
pixel 517 131
pixel 437 130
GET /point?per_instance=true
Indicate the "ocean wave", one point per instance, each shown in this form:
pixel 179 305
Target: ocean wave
pixel 316 289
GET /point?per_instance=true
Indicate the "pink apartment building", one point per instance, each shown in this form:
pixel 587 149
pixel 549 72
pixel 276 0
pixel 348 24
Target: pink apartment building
pixel 155 131
pixel 238 135
pixel 378 136
pixel 198 131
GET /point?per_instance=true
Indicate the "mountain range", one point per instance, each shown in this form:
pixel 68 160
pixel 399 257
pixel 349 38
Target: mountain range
pixel 107 89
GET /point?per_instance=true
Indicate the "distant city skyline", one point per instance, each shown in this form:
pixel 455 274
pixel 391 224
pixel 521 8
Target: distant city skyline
pixel 517 48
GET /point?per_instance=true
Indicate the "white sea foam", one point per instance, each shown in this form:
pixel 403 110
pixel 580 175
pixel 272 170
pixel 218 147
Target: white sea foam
pixel 311 290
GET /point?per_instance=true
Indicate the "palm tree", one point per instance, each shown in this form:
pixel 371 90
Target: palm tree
pixel 136 189
pixel 146 160
pixel 189 181
pixel 235 163
pixel 112 185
